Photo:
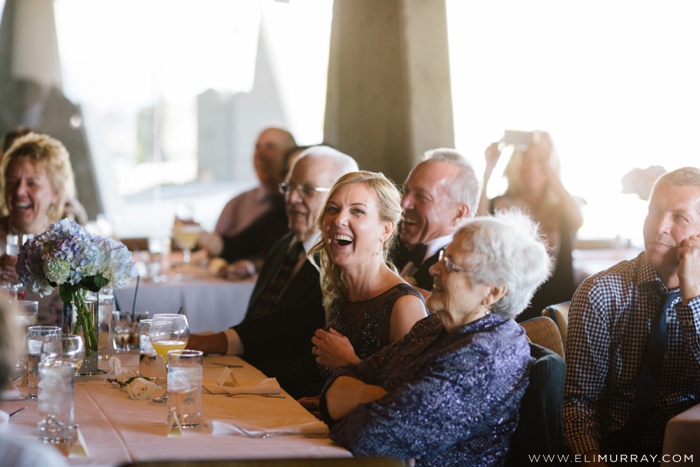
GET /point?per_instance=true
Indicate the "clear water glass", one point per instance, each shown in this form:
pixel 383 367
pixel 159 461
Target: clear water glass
pixel 168 332
pixel 55 402
pixel 106 308
pixel 27 316
pixel 66 347
pixel 36 335
pixel 185 386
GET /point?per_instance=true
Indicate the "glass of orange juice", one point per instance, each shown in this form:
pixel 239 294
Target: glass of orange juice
pixel 168 332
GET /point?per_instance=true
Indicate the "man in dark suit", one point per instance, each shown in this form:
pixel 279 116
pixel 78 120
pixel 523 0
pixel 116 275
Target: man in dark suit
pixel 439 193
pixel 286 307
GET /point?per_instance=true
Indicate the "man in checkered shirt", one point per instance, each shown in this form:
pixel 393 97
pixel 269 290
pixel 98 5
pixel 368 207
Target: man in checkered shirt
pixel 609 322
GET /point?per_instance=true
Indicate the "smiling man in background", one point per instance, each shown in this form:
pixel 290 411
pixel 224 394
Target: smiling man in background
pixel 439 193
pixel 268 160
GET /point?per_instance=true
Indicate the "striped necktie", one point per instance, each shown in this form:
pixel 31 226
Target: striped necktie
pixel 271 294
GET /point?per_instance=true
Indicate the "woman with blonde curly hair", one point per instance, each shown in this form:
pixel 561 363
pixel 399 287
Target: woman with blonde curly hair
pixel 37 181
pixel 368 305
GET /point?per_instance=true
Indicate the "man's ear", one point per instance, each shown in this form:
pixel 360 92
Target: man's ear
pixel 461 212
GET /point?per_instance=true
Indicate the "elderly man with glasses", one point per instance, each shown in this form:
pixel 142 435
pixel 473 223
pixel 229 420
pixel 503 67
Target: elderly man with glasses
pixel 286 305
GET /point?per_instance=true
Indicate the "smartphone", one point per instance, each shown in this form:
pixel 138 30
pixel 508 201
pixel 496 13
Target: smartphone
pixel 520 139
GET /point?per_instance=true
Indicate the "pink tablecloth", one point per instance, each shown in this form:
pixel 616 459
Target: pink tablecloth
pixel 119 430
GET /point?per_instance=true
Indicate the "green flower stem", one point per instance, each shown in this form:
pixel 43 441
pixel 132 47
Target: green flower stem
pixel 84 321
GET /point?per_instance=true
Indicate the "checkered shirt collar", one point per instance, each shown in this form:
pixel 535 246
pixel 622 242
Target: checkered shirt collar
pixel 647 278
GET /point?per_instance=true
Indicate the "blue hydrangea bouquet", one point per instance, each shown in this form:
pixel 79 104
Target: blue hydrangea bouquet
pixel 70 258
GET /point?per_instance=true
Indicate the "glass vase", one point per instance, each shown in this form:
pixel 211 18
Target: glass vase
pixel 81 317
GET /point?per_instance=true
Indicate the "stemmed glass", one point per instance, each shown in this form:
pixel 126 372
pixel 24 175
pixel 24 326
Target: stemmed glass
pixel 65 347
pixel 168 332
pixel 185 230
pixel 186 236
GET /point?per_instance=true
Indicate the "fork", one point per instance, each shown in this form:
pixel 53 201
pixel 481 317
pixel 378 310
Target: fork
pixel 18 411
pixel 259 435
pixel 275 396
pixel 269 434
pixel 223 364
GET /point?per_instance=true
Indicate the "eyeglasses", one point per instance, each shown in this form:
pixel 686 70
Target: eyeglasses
pixel 307 191
pixel 449 265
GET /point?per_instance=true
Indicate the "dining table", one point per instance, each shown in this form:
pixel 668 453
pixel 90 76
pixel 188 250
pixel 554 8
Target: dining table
pixel 209 302
pixel 118 430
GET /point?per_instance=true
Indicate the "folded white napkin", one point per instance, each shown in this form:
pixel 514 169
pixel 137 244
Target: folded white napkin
pixel 79 449
pixel 282 427
pixel 10 391
pixel 266 386
pixel 4 418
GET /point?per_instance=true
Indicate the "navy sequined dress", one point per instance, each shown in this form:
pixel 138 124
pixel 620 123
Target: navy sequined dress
pixel 366 323
pixel 452 398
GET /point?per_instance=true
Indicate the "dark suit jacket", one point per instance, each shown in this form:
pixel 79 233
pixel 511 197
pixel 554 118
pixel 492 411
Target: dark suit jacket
pixel 279 344
pixel 423 278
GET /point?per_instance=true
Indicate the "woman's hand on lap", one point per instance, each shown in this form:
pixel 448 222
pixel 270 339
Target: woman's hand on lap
pixel 333 349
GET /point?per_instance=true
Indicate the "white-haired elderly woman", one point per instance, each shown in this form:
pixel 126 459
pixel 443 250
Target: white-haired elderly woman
pixel 448 393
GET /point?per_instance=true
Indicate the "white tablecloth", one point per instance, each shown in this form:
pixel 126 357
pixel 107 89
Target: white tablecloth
pixel 682 439
pixel 118 430
pixel 210 303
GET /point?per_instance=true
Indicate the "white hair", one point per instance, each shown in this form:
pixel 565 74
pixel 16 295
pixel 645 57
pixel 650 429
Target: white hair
pixel 506 249
pixel 344 162
pixel 465 187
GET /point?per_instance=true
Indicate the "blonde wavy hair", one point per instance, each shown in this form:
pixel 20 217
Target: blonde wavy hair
pixel 512 173
pixel 50 154
pixel 333 283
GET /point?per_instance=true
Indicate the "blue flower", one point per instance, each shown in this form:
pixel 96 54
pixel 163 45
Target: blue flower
pixel 68 254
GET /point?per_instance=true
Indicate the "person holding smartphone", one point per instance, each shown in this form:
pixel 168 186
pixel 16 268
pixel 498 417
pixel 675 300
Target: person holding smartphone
pixel 534 185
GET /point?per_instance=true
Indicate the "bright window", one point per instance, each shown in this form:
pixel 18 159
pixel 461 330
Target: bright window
pixel 615 84
pixel 137 67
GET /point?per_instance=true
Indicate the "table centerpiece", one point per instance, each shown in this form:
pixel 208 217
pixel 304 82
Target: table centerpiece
pixel 76 261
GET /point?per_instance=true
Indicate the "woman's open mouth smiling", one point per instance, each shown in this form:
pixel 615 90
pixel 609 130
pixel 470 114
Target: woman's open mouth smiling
pixel 342 240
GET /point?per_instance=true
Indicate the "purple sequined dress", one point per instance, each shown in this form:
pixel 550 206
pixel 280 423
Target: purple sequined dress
pixel 452 398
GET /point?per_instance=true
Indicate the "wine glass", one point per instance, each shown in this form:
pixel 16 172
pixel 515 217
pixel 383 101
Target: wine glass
pixel 65 347
pixel 185 230
pixel 186 236
pixel 168 332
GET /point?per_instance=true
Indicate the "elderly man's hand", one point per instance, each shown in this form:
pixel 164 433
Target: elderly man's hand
pixel 241 269
pixel 689 268
pixel 333 349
